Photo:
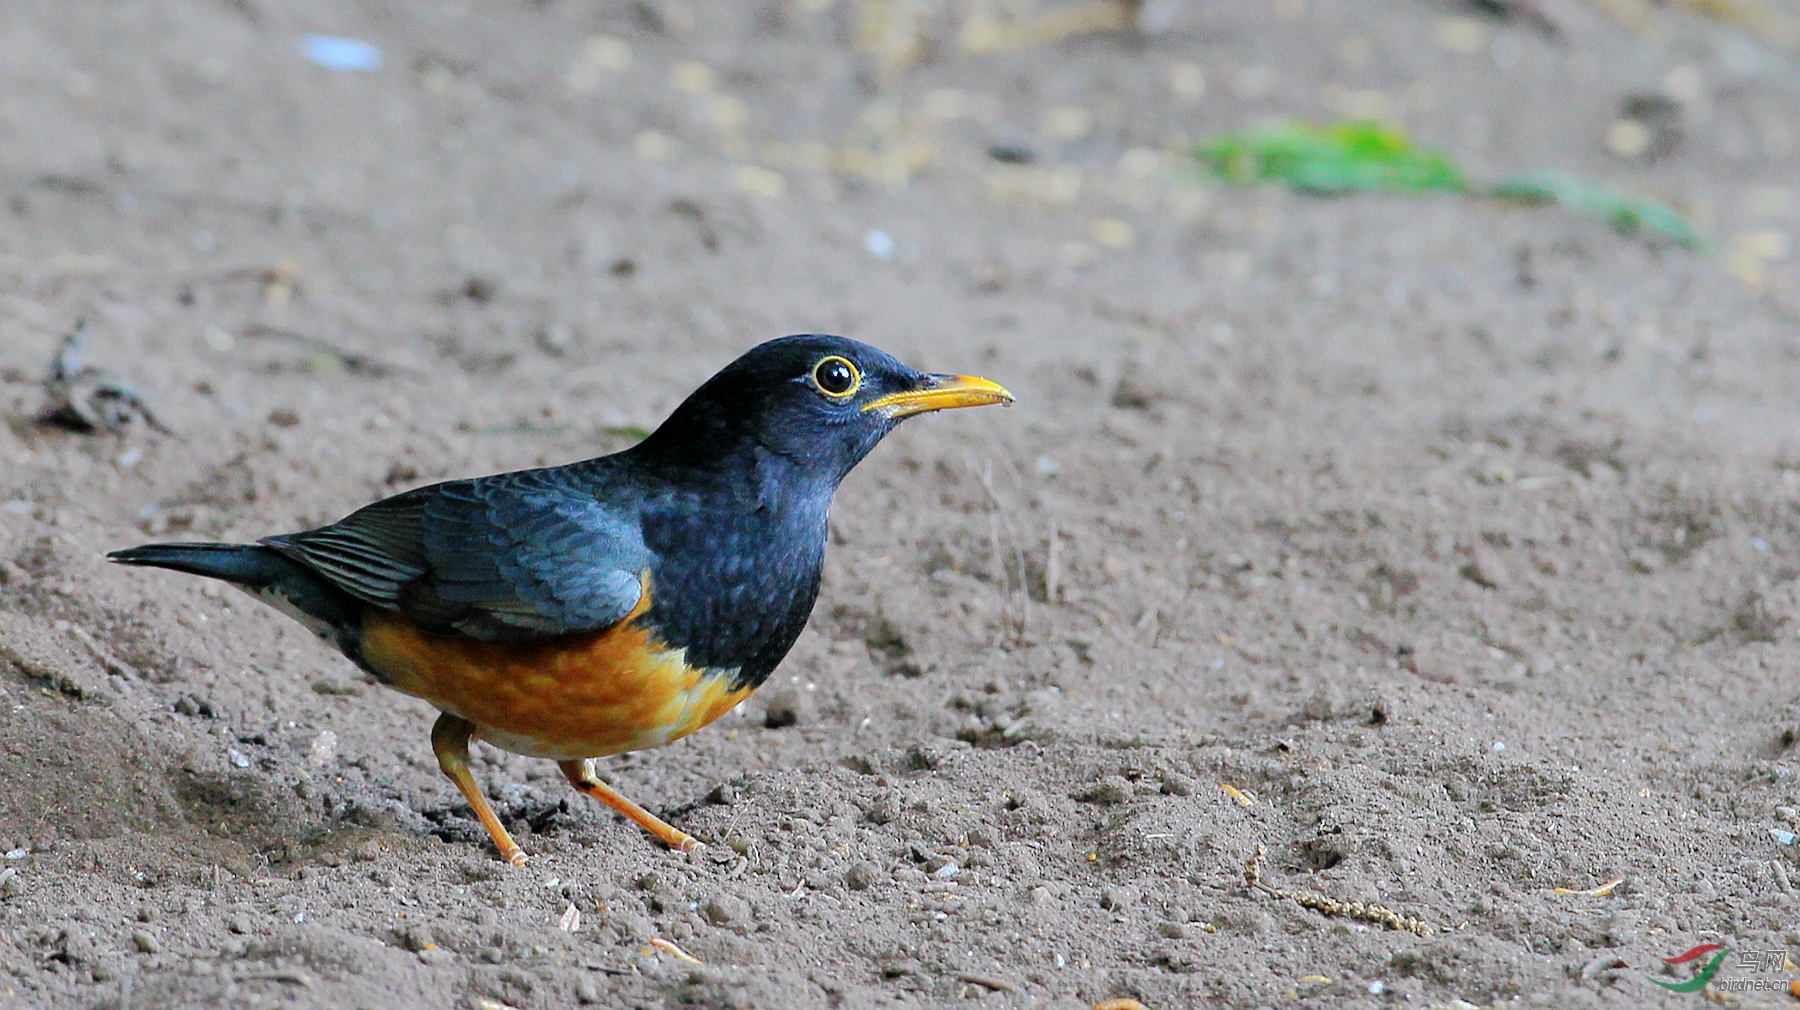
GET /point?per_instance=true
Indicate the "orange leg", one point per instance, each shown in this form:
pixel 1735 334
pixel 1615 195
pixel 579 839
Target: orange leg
pixel 450 742
pixel 581 775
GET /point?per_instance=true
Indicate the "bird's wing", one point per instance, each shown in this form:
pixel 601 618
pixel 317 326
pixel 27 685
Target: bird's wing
pixel 505 558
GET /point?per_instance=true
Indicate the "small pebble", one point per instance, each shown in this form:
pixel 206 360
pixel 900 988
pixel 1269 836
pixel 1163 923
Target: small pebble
pixel 1177 784
pixel 145 942
pixel 1066 122
pixel 1118 898
pixel 726 907
pixel 860 876
pixel 1629 138
pixel 323 749
pixel 785 705
pixel 1109 790
pixel 341 54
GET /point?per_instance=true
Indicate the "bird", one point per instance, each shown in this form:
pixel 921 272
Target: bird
pixel 607 605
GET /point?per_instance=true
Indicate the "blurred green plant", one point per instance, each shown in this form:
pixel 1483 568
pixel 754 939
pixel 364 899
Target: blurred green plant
pixel 1628 214
pixel 1356 157
pixel 1337 158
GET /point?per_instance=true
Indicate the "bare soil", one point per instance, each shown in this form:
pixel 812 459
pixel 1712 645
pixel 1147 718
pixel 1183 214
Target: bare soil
pixel 1462 541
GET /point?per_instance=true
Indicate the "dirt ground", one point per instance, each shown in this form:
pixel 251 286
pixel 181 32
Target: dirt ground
pixel 1461 540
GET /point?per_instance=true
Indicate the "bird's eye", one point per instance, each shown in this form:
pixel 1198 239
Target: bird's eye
pixel 836 377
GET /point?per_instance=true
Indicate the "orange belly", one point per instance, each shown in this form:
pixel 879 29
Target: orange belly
pixel 584 695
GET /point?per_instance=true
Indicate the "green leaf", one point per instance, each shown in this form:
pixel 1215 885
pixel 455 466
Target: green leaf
pixel 1350 157
pixel 1628 214
pixel 1337 158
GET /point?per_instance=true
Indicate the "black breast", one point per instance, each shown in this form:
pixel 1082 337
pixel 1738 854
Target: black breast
pixel 736 569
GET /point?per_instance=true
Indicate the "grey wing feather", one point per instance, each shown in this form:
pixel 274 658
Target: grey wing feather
pixel 504 558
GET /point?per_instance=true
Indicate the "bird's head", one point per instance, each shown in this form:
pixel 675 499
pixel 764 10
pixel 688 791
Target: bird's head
pixel 822 401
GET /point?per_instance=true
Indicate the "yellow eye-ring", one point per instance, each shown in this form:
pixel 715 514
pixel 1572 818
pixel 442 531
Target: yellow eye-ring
pixel 836 377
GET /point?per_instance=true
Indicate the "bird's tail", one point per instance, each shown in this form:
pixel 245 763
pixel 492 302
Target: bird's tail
pixel 270 576
pixel 243 564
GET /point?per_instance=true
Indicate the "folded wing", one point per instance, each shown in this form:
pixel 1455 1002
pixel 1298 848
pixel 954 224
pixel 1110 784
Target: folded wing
pixel 513 557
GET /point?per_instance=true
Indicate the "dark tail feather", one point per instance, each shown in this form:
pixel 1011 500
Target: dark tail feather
pixel 280 580
pixel 244 564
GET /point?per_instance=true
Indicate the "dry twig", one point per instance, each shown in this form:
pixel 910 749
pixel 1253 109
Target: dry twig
pixel 1379 914
pixel 1016 621
pixel 351 361
pixel 87 399
pixel 986 981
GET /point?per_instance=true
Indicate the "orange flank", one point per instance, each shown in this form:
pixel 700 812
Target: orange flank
pixel 576 696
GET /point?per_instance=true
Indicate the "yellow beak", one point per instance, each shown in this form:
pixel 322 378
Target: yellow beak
pixel 940 392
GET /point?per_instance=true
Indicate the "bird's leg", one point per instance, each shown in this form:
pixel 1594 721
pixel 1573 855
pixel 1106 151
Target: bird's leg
pixel 581 775
pixel 450 742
